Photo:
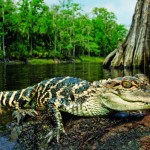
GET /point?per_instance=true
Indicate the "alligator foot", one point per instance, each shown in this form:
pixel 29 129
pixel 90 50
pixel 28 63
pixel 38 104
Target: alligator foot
pixel 54 133
pixel 129 115
pixel 21 113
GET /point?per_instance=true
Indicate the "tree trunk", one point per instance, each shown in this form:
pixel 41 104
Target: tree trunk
pixel 135 50
pixel 3 36
pixel 3 46
pixel 31 44
pixel 74 49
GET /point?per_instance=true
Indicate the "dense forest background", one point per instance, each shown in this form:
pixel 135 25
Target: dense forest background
pixel 30 28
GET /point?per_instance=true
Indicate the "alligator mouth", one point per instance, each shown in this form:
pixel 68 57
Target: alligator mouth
pixel 134 96
pixel 118 102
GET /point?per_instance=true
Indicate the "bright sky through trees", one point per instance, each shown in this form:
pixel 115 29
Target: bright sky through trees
pixel 123 9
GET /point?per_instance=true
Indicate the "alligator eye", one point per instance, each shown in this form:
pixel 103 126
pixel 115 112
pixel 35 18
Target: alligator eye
pixel 126 84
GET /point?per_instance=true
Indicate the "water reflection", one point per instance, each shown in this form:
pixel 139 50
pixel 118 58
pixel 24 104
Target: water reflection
pixel 14 77
pixel 112 73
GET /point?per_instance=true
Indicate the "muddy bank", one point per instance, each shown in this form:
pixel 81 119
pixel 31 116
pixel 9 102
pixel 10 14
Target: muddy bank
pixel 87 133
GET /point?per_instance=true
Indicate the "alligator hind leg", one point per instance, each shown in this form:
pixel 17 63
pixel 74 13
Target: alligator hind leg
pixel 53 110
pixel 19 114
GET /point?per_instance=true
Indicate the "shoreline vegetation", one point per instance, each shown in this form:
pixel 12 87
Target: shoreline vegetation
pixel 82 59
pixel 32 29
pixel 42 61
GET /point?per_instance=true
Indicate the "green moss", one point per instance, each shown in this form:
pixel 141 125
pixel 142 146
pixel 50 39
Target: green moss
pixel 41 61
pixel 92 59
pixel 77 60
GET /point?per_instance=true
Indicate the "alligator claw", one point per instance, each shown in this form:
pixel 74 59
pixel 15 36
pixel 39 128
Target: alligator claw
pixel 21 113
pixel 54 133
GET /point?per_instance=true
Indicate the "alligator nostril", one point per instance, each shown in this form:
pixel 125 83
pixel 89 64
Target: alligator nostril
pixel 147 103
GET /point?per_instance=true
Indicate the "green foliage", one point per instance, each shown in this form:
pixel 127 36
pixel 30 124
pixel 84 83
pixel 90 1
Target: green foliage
pixel 107 32
pixel 29 28
pixel 92 59
pixel 41 61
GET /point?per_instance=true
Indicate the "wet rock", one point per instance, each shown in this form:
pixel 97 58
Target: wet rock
pixel 84 133
pixel 6 143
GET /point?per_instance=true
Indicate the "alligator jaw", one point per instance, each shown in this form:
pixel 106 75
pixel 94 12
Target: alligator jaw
pixel 117 103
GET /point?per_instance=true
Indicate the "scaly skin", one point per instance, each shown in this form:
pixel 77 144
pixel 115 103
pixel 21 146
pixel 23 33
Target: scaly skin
pixel 78 97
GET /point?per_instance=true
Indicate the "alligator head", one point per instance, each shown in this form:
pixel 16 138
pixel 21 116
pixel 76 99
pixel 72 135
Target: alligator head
pixel 127 93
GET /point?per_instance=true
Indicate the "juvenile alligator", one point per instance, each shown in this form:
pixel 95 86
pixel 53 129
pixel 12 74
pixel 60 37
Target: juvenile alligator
pixel 78 97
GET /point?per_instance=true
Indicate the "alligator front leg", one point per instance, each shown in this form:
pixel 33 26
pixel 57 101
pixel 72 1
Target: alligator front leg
pixel 57 120
pixel 19 114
